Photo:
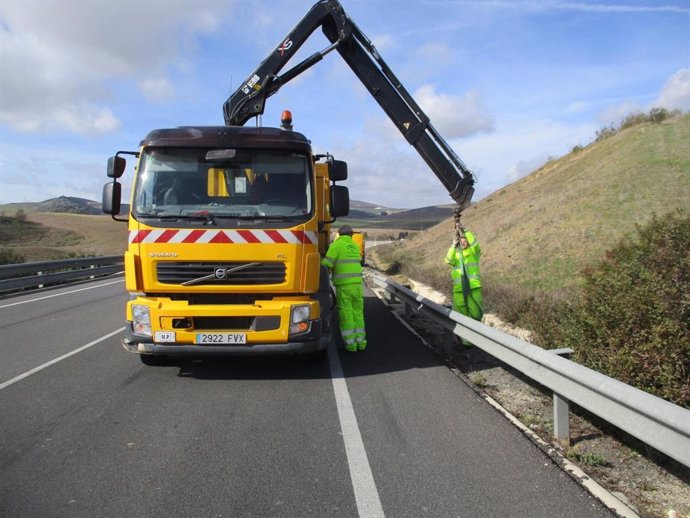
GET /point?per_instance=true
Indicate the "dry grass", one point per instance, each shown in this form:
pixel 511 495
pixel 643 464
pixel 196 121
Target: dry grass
pixel 95 235
pixel 542 230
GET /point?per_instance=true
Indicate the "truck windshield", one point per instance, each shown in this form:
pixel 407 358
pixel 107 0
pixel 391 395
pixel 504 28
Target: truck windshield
pixel 252 184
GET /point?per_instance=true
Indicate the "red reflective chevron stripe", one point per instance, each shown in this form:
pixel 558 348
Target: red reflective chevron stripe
pixel 301 236
pixel 217 236
pixel 249 236
pixel 220 237
pixel 276 236
pixel 167 236
pixel 138 237
pixel 193 236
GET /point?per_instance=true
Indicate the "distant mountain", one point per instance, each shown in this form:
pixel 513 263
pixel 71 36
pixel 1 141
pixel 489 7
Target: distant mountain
pixel 363 209
pixel 358 209
pixel 67 204
pixel 73 205
pixel 436 211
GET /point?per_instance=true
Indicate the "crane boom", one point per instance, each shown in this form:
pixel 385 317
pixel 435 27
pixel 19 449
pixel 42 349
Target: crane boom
pixel 362 57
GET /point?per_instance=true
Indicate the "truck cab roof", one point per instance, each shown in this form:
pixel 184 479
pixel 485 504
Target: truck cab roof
pixel 227 136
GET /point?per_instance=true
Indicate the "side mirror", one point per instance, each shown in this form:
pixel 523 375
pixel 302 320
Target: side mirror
pixel 116 166
pixel 112 195
pixel 340 201
pixel 337 171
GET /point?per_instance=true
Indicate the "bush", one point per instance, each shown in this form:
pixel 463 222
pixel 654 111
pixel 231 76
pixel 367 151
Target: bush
pixel 655 115
pixel 632 319
pixel 9 256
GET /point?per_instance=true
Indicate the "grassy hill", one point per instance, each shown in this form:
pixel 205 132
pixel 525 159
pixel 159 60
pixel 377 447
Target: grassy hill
pixel 44 236
pixel 540 231
pixel 60 204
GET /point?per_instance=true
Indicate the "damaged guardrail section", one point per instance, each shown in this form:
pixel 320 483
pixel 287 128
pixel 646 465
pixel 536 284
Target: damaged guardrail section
pixel 655 421
pixel 46 273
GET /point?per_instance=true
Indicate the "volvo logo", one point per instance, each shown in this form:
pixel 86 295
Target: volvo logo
pixel 220 273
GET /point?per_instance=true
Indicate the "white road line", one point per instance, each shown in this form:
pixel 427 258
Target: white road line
pixel 366 494
pixel 60 294
pixel 59 359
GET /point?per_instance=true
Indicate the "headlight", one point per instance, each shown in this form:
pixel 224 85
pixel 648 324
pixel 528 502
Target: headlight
pixel 299 319
pixel 141 320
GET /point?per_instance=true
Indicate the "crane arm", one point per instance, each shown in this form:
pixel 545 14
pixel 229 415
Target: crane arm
pixel 366 63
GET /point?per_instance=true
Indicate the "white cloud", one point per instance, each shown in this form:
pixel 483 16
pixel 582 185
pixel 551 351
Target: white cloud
pixel 386 170
pixel 438 53
pixel 584 7
pixel 675 94
pixel 383 41
pixel 157 89
pixel 676 91
pixel 85 119
pixel 454 116
pixel 58 59
pixel 517 150
pixel 615 113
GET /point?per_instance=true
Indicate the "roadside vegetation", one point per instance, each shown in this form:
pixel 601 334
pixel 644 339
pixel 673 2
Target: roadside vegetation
pixel 591 251
pixel 630 319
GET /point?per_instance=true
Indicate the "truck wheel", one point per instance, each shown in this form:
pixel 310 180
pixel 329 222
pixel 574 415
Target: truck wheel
pixel 152 360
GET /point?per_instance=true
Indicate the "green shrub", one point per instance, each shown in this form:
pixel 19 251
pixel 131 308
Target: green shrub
pixel 9 256
pixel 655 115
pixel 632 319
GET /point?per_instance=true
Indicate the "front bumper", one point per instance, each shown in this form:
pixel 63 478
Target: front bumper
pixel 311 341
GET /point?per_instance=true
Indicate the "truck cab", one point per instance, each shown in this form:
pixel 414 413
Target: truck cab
pixel 227 226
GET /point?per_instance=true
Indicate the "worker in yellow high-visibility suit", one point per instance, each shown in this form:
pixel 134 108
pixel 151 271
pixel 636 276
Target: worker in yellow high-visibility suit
pixel 345 262
pixel 463 256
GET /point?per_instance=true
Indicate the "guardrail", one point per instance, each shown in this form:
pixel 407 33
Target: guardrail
pixel 46 273
pixel 655 421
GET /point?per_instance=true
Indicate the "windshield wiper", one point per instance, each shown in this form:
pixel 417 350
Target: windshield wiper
pixel 208 218
pixel 238 216
pixel 276 217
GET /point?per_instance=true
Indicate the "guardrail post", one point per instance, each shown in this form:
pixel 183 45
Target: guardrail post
pixel 38 274
pixel 561 420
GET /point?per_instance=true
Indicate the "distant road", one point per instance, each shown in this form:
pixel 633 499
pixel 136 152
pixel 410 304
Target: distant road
pixel 88 431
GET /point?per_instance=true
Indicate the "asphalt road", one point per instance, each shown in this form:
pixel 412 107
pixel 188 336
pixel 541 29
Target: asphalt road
pixel 87 430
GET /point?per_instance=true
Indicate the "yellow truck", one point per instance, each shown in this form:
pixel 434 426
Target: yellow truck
pixel 227 228
pixel 228 224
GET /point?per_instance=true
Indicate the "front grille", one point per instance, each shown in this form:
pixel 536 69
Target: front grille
pixel 221 274
pixel 240 323
pixel 218 298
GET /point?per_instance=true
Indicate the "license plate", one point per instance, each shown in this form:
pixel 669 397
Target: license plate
pixel 221 338
pixel 164 336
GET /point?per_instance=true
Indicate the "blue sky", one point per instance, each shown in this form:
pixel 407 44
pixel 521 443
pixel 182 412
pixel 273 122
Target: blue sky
pixel 508 83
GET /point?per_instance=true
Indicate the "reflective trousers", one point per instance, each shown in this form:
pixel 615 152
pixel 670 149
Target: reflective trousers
pixel 474 308
pixel 350 299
